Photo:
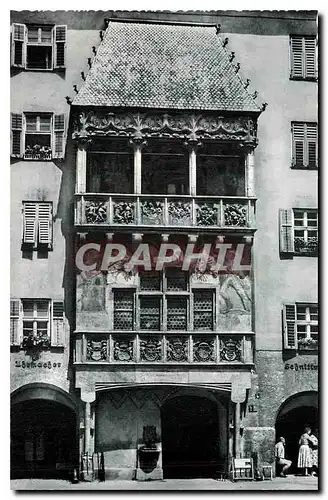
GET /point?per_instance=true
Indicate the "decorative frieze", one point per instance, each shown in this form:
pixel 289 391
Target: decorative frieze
pixel 151 349
pixel 177 349
pixel 230 349
pixel 96 350
pixel 185 126
pixel 203 349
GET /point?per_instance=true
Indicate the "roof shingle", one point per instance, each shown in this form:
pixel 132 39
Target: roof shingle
pixel 163 66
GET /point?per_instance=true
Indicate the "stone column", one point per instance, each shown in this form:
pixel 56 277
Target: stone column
pixel 238 396
pixel 237 430
pixel 249 172
pixel 138 144
pixel 81 166
pixel 192 145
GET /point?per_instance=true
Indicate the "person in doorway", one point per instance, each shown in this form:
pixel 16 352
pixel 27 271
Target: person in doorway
pixel 314 452
pixel 279 453
pixel 304 461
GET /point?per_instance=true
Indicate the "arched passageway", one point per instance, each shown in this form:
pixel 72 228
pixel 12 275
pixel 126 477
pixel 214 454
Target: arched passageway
pixel 43 438
pixel 296 413
pixel 190 437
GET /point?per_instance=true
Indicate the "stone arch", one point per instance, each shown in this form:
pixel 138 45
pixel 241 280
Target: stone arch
pixel 43 391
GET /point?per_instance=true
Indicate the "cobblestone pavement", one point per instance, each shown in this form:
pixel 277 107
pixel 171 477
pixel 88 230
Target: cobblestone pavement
pixel 290 483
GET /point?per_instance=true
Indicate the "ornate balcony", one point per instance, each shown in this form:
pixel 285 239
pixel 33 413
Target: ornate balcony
pixel 117 210
pixel 179 348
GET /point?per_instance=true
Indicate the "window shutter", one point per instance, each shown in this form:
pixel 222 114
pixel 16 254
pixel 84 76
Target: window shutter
pixel 297 61
pixel 57 332
pixel 310 57
pixel 18 49
pixel 59 133
pixel 286 231
pixel 312 141
pixel 16 134
pixel 60 47
pixel 29 223
pixel 15 322
pixel 298 144
pixel 45 223
pixel 289 317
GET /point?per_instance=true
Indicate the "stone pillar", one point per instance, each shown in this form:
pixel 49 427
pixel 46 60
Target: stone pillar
pixel 81 166
pixel 237 431
pixel 138 144
pixel 238 396
pixel 192 146
pixel 87 472
pixel 249 172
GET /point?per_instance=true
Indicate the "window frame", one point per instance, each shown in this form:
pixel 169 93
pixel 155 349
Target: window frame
pixel 58 38
pixel 35 223
pixel 305 228
pixel 287 233
pixel 291 324
pixel 303 59
pixel 56 133
pixel 306 140
pixel 164 295
pixel 55 321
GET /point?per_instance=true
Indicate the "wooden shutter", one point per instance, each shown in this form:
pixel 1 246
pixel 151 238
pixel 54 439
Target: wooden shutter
pixel 16 134
pixel 18 48
pixel 60 47
pixel 310 57
pixel 286 231
pixel 45 223
pixel 297 57
pixel 298 139
pixel 29 223
pixel 59 134
pixel 289 319
pixel 311 142
pixel 57 332
pixel 16 329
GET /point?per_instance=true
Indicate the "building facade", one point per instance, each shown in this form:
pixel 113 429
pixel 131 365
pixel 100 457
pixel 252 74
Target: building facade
pixel 139 138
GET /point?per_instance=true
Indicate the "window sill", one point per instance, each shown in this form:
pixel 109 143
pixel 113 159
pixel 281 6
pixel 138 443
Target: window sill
pixel 303 79
pixel 303 167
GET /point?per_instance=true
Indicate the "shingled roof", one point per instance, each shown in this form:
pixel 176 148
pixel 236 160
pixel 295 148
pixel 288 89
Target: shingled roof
pixel 163 66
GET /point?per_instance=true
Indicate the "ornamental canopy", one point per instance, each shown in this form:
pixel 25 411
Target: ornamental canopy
pixel 163 66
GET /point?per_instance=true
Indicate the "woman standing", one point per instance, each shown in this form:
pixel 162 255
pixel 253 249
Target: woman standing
pixel 304 455
pixel 314 453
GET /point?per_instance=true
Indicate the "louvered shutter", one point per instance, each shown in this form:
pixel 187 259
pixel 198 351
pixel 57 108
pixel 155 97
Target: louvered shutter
pixel 15 322
pixel 57 332
pixel 311 141
pixel 289 318
pixel 59 134
pixel 310 57
pixel 298 136
pixel 18 50
pixel 29 223
pixel 45 224
pixel 60 47
pixel 286 231
pixel 16 134
pixel 297 58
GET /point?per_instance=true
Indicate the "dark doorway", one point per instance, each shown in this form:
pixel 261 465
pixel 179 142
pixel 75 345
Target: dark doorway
pixel 189 437
pixel 43 439
pixel 291 426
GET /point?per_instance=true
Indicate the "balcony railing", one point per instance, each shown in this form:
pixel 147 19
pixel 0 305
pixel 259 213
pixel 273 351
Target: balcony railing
pixel 160 348
pixel 166 211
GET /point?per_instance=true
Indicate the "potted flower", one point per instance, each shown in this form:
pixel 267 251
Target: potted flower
pixel 307 343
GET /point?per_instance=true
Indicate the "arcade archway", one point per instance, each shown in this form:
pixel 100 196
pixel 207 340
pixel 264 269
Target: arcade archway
pixel 43 434
pixel 295 413
pixel 190 437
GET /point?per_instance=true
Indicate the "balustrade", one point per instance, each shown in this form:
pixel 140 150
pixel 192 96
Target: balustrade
pixel 189 348
pixel 166 211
